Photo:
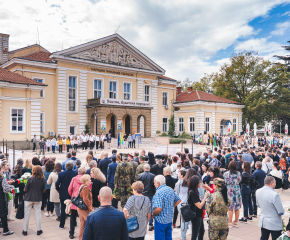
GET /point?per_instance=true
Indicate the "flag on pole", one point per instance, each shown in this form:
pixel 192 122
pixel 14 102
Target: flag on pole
pixel 15 190
pixel 271 142
pixel 119 140
pixel 269 129
pixel 214 141
pixel 201 140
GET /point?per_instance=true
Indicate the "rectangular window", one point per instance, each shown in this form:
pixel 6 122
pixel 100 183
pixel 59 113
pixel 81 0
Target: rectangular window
pixel 164 125
pixel 235 125
pixel 191 124
pixel 72 88
pixel 97 88
pixel 207 122
pixel 113 90
pixel 17 120
pixel 147 93
pixel 72 130
pixel 41 81
pixel 181 124
pixel 127 90
pixel 41 122
pixel 164 98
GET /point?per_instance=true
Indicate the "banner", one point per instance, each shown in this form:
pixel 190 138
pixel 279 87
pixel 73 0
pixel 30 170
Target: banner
pixel 120 124
pixel 103 124
pixel 287 141
pixel 255 129
pixel 286 129
pixel 205 139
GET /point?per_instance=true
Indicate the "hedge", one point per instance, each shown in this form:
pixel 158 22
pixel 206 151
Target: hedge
pixel 176 141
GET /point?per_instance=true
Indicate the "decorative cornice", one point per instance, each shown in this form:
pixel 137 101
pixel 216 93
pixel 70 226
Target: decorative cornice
pixel 20 99
pixel 29 62
pixel 208 104
pixel 27 70
pixel 21 86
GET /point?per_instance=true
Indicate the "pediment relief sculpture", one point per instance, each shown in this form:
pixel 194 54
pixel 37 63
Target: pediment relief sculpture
pixel 112 53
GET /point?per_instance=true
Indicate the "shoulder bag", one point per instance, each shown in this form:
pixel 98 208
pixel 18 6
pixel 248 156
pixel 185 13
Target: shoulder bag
pixel 78 201
pixel 186 212
pixel 285 183
pixel 132 223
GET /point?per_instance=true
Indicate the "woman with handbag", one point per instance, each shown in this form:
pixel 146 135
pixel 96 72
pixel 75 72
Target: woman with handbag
pixel 196 206
pixel 73 191
pixel 139 208
pixel 86 195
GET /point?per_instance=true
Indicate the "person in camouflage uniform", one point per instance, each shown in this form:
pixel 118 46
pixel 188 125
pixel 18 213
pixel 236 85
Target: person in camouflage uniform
pixel 140 169
pixel 217 206
pixel 124 178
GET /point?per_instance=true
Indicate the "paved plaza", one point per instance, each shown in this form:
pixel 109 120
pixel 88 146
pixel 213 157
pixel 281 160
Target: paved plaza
pixel 249 231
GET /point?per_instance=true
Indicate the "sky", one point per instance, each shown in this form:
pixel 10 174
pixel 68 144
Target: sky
pixel 187 38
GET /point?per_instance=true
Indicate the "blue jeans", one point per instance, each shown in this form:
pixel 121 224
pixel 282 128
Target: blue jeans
pixel 151 220
pixel 163 231
pixel 247 202
pixel 184 226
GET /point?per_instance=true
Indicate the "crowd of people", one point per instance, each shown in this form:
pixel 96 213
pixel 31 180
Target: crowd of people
pixel 153 190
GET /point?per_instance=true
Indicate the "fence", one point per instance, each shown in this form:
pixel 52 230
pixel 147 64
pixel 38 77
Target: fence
pixel 10 151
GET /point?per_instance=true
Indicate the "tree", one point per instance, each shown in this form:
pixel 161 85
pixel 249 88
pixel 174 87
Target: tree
pixel 286 58
pixel 254 82
pixel 185 84
pixel 171 126
pixel 202 85
pixel 87 128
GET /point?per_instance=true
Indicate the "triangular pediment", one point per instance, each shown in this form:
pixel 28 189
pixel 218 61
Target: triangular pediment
pixel 112 50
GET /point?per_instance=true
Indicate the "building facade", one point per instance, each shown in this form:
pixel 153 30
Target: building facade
pixel 106 83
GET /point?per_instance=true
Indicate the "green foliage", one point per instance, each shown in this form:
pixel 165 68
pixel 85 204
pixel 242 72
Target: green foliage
pixel 158 132
pixel 171 126
pixel 176 141
pixel 87 128
pixel 203 85
pixel 184 135
pixel 163 135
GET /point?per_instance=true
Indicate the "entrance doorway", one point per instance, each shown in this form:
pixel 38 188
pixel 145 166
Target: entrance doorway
pixel 113 121
pixel 127 125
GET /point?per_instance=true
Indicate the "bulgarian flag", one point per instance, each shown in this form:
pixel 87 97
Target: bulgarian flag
pixel 15 190
pixel 121 140
pixel 271 142
pixel 200 140
pixel 19 181
pixel 214 141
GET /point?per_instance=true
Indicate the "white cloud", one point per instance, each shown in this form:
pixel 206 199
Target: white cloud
pixel 281 28
pixel 179 35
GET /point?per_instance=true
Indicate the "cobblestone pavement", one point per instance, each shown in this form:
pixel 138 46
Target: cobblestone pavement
pixel 249 231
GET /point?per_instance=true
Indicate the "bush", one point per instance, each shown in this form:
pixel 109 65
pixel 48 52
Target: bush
pixel 176 141
pixel 185 135
pixel 171 126
pixel 163 135
pixel 87 129
pixel 158 132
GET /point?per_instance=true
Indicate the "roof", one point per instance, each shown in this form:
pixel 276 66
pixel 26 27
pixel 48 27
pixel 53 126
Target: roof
pixel 7 76
pixel 167 78
pixel 197 95
pixel 29 46
pixel 38 56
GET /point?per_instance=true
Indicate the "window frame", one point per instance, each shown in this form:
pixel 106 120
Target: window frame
pixel 102 87
pixel 43 81
pixel 235 124
pixel 75 129
pixel 24 120
pixel 76 94
pixel 43 122
pixel 180 123
pixel 166 124
pixel 130 83
pixel 209 124
pixel 189 124
pixel 117 85
pixel 149 94
pixel 167 95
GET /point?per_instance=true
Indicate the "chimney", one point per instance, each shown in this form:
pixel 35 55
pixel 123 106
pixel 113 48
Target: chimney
pixel 4 44
pixel 178 90
pixel 189 89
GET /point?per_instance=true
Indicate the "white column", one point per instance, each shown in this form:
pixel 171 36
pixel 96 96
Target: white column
pixel 35 119
pixel 200 122
pixel 61 102
pixel 154 110
pixel 240 123
pixel 142 126
pixel 140 90
pixel 213 130
pixel 83 101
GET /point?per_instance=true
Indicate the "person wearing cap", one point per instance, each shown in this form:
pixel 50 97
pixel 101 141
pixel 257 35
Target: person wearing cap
pixel 111 178
pixel 157 169
pixel 271 210
pixel 124 178
pixel 217 206
pixel 140 169
pixel 131 160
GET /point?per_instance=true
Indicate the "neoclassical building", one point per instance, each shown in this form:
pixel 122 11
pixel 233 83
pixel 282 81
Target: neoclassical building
pixel 106 83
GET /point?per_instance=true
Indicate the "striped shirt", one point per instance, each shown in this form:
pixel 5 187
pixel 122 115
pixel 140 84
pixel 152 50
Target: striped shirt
pixel 134 205
pixel 164 198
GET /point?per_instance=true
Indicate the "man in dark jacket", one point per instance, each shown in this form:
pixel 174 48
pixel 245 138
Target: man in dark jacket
pixel 147 179
pixel 170 182
pixel 106 222
pixel 259 175
pixel 103 165
pixel 157 169
pixel 61 185
pixel 111 178
pixel 136 157
pixel 93 163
